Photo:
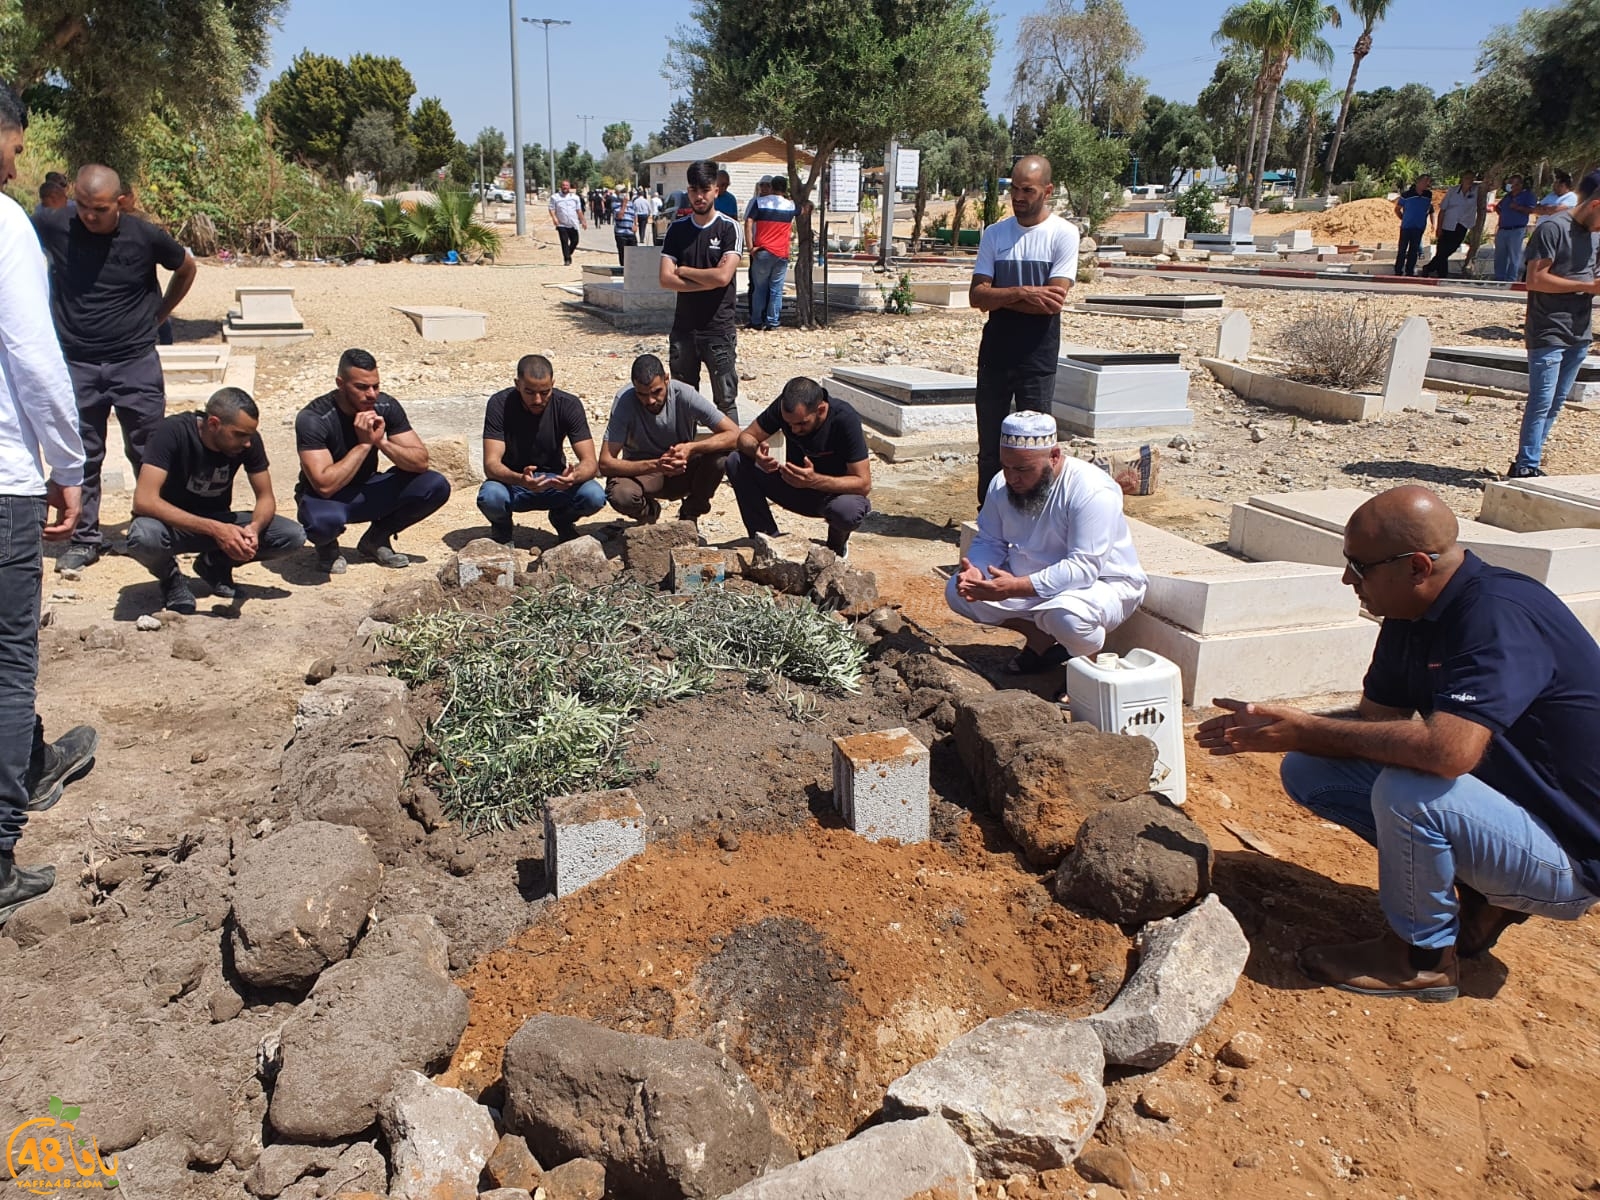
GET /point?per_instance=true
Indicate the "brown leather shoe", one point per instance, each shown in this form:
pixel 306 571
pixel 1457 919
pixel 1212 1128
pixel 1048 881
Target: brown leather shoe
pixel 1482 923
pixel 1384 966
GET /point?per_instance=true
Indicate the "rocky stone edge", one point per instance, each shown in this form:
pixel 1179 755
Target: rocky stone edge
pixel 362 1008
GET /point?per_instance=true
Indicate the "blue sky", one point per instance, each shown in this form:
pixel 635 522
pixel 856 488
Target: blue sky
pixel 607 63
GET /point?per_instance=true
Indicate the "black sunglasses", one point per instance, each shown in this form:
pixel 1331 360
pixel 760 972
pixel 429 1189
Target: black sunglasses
pixel 1360 569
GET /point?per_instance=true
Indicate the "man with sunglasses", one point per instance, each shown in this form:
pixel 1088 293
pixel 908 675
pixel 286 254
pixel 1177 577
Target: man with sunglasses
pixel 1487 809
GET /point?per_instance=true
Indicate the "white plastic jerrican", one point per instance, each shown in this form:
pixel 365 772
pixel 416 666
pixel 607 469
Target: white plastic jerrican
pixel 1137 693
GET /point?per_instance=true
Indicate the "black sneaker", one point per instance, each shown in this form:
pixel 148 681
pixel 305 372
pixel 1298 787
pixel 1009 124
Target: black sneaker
pixel 380 552
pixel 77 557
pixel 18 885
pixel 175 594
pixel 564 532
pixel 1516 472
pixel 218 576
pixel 503 534
pixel 66 759
pixel 330 558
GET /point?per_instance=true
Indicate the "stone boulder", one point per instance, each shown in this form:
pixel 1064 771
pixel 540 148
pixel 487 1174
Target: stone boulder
pixel 482 560
pixel 647 549
pixel 581 561
pixel 991 727
pixel 1051 786
pixel 512 1165
pixel 439 1140
pixel 379 697
pixel 844 589
pixel 420 594
pixel 283 1163
pixel 901 1160
pixel 787 563
pixel 1137 861
pixel 457 460
pixel 403 933
pixel 349 769
pixel 580 1179
pixel 1188 967
pixel 300 900
pixel 365 1019
pixel 1024 1090
pixel 667 1119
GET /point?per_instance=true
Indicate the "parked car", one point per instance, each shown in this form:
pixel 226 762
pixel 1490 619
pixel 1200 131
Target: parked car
pixel 496 193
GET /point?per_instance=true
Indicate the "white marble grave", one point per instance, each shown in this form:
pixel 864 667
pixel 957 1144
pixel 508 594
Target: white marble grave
pixel 1503 368
pixel 265 316
pixel 1553 502
pixel 1101 391
pixel 445 322
pixel 1233 336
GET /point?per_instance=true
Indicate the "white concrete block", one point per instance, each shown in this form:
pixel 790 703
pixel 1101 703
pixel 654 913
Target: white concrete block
pixel 266 306
pixel 1122 387
pixel 589 834
pixel 941 294
pixel 910 385
pixel 1294 396
pixel 1233 336
pixel 445 323
pixel 1205 591
pixel 1081 422
pixel 901 419
pixel 1408 364
pixel 1269 664
pixel 1555 502
pixel 880 785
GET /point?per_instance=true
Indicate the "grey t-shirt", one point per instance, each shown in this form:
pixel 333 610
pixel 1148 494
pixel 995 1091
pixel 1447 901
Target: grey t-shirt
pixel 1561 319
pixel 643 434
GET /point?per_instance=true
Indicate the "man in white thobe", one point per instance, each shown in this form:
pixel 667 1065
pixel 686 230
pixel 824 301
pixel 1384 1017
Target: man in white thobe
pixel 1053 558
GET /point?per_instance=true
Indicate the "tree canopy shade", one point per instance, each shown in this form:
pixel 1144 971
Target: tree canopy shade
pixel 378 146
pixel 307 109
pixel 118 61
pixel 616 136
pixel 381 84
pixel 1081 52
pixel 1171 139
pixel 682 125
pixel 1369 13
pixel 833 73
pixel 1084 165
pixel 1388 124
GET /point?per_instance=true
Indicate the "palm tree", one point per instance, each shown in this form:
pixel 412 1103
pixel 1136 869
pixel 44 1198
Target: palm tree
pixel 1370 12
pixel 1253 25
pixel 1311 97
pixel 1299 27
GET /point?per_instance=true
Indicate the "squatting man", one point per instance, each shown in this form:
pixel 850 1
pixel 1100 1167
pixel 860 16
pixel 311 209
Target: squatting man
pixel 1053 558
pixel 1487 809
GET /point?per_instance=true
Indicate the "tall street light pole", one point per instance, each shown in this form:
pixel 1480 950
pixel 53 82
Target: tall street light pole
pixel 549 104
pixel 516 131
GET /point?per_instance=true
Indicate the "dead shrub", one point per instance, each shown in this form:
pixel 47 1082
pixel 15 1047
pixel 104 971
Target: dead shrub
pixel 1339 348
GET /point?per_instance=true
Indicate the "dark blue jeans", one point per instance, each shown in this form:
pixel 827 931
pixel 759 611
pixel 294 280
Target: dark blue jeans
pixel 21 573
pixel 391 500
pixel 757 490
pixel 1405 257
pixel 497 501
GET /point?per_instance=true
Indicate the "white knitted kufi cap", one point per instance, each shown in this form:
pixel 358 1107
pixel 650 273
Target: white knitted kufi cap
pixel 1028 431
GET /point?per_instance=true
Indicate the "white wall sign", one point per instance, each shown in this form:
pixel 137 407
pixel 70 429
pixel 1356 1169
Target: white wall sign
pixel 907 163
pixel 844 183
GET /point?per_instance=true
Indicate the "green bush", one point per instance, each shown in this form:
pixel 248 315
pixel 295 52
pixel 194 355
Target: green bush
pixel 1365 186
pixel 451 223
pixel 1194 206
pixel 1277 205
pixel 388 234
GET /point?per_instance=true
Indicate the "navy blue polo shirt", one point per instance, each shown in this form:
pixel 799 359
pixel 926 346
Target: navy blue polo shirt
pixel 1500 650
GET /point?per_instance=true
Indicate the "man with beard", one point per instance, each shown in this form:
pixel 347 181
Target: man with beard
pixel 1053 558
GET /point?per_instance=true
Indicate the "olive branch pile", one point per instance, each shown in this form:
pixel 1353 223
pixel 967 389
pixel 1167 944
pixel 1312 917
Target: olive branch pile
pixel 539 698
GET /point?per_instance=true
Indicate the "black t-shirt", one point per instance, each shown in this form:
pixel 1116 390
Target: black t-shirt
pixel 692 245
pixel 535 441
pixel 1502 651
pixel 831 447
pixel 322 425
pixel 104 294
pixel 199 481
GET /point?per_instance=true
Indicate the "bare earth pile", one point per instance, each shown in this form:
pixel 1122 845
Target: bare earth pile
pixel 1366 222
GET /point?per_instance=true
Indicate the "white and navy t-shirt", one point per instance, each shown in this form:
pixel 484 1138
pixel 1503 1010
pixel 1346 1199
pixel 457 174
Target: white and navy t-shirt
pixel 1012 255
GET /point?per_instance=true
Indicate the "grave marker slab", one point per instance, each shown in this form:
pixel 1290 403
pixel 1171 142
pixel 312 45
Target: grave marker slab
pixel 1233 336
pixel 880 785
pixel 445 323
pixel 1097 391
pixel 911 385
pixel 1554 502
pixel 1408 365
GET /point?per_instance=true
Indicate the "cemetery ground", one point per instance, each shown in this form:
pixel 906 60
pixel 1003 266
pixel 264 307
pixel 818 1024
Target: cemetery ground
pixel 117 993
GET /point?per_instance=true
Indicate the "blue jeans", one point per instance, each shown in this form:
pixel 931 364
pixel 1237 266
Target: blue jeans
pixel 497 501
pixel 21 739
pixel 391 500
pixel 767 273
pixel 1552 371
pixel 1430 832
pixel 1508 245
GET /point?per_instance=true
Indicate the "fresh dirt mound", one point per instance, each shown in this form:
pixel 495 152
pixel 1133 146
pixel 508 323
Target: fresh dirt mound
pixel 825 965
pixel 1366 222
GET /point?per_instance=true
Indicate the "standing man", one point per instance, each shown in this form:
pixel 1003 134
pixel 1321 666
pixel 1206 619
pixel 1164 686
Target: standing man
pixel 566 214
pixel 622 226
pixel 339 437
pixel 1484 811
pixel 183 503
pixel 1053 559
pixel 1458 213
pixel 52 193
pixel 1561 195
pixel 1558 327
pixel 650 452
pixel 726 203
pixel 525 429
pixel 107 306
pixel 1511 233
pixel 825 473
pixel 38 420
pixel 642 215
pixel 768 227
pixel 1414 209
pixel 1026 266
pixel 699 260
